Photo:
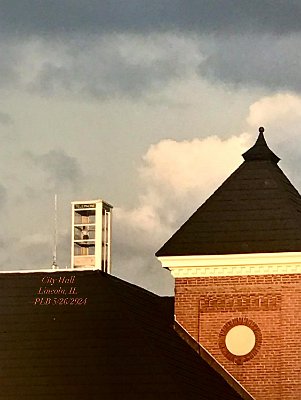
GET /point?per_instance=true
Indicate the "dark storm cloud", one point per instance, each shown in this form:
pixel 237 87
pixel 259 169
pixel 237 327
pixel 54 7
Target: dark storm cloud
pixel 106 69
pixel 60 168
pixel 5 119
pixel 3 196
pixel 36 17
pixel 243 42
pixel 270 62
pixel 134 66
pixel 9 60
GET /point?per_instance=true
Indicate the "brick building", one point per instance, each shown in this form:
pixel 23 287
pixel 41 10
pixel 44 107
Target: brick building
pixel 237 268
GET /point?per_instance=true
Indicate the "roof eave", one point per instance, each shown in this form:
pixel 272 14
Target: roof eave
pixel 233 264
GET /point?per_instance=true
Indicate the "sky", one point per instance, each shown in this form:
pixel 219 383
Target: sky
pixel 147 105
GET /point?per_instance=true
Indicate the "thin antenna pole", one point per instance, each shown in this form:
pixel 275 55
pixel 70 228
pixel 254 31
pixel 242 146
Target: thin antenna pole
pixel 54 263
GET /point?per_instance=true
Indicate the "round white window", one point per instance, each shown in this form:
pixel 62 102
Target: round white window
pixel 240 340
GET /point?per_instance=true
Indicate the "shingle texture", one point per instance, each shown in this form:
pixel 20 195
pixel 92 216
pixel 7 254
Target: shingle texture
pixel 256 210
pixel 119 345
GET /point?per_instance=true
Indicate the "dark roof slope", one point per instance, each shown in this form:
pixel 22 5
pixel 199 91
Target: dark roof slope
pixel 256 210
pixel 115 343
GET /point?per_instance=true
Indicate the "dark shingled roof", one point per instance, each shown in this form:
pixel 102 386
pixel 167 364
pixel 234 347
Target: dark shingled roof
pixel 256 210
pixel 119 345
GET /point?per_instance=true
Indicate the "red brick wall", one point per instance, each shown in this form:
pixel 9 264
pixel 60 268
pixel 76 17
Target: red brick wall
pixel 204 306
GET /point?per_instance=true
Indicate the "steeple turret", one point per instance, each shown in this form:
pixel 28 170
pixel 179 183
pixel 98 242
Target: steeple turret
pixel 260 150
pixel 256 210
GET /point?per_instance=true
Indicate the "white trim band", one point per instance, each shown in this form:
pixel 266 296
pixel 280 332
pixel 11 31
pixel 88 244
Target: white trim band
pixel 233 264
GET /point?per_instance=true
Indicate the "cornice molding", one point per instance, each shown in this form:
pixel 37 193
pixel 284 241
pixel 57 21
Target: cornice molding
pixel 233 264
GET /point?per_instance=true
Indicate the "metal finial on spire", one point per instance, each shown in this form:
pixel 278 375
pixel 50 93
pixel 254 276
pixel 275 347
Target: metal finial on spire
pixel 260 150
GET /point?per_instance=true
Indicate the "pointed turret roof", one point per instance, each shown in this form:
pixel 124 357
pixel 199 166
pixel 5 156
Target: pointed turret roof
pixel 260 150
pixel 256 210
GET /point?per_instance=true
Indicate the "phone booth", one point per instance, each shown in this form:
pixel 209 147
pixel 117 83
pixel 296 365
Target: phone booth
pixel 91 235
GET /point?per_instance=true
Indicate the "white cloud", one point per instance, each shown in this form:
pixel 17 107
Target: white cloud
pixel 280 114
pixel 280 109
pixel 198 164
pixel 173 171
pixel 177 177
